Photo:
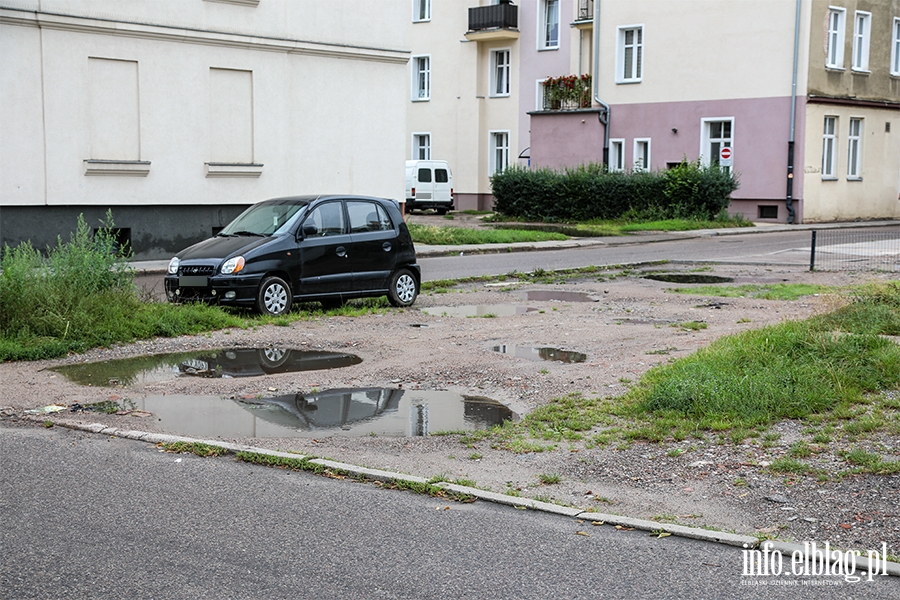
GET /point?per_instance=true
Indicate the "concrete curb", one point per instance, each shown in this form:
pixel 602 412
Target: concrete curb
pixel 718 537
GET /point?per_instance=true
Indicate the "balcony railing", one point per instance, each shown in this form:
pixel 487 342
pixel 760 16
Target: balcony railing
pixel 569 92
pixel 585 10
pixel 495 16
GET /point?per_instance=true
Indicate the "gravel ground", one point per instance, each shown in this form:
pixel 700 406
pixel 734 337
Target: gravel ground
pixel 624 332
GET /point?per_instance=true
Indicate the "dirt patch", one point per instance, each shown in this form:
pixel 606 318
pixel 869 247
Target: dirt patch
pixel 632 327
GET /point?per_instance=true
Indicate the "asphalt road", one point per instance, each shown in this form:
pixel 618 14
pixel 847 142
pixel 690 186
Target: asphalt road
pixel 89 516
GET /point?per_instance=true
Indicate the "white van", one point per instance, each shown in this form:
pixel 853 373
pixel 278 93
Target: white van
pixel 429 184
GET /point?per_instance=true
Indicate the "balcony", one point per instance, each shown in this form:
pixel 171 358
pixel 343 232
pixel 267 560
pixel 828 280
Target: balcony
pixel 494 22
pixel 585 17
pixel 569 92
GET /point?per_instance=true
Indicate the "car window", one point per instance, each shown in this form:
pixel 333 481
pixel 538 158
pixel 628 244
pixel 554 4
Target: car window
pixel 425 175
pixel 327 218
pixel 367 216
pixel 440 176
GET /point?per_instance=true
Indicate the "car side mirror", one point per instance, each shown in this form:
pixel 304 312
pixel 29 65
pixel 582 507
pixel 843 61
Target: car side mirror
pixel 309 230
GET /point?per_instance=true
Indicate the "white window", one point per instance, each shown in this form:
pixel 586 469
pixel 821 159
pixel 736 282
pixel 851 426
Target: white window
pixel 421 146
pixel 715 135
pixel 835 43
pixel 641 154
pixel 854 149
pixel 861 34
pixel 829 144
pixel 895 49
pixel 630 54
pixel 421 78
pixel 539 95
pixel 499 155
pixel 549 30
pixel 421 10
pixel 500 73
pixel 617 155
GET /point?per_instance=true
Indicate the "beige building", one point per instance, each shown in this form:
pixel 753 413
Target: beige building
pixel 177 114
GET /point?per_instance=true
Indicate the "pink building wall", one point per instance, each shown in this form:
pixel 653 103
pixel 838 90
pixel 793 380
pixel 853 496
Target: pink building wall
pixel 760 133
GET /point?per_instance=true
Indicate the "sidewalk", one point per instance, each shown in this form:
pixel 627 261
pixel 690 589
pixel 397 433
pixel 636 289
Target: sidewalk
pixel 426 251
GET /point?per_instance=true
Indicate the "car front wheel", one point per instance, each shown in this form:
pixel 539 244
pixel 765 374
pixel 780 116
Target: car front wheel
pixel 274 297
pixel 404 288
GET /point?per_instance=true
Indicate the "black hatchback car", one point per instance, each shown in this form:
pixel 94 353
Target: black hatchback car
pixel 326 248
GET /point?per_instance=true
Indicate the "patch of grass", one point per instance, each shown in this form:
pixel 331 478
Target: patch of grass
pixel 444 236
pixel 198 448
pixel 870 462
pixel 549 478
pixel 790 465
pixel 756 378
pixel 774 291
pixel 691 325
pixel 873 309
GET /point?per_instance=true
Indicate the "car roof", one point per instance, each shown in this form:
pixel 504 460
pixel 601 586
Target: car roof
pixel 307 198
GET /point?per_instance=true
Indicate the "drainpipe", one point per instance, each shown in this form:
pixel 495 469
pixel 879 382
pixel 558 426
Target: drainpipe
pixel 603 115
pixel 789 198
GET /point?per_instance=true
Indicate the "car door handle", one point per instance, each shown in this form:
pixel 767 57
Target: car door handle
pixel 341 251
pixel 386 246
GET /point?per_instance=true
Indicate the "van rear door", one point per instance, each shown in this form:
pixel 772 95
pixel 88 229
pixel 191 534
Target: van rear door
pixel 424 184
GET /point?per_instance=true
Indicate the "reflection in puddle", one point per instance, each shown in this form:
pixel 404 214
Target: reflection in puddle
pixel 337 412
pixel 688 278
pixel 483 310
pixel 531 353
pixel 230 362
pixel 559 296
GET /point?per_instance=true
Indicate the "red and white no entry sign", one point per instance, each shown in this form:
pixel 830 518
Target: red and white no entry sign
pixel 725 156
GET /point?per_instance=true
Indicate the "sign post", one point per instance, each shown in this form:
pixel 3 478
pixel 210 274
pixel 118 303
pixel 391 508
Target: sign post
pixel 725 157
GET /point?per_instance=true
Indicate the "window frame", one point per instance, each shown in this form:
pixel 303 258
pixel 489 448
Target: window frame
pixel 641 142
pixel 496 79
pixel 417 136
pixel 617 155
pixel 829 148
pixel 421 78
pixel 637 70
pixel 420 7
pixel 545 40
pixel 495 151
pixel 854 149
pixel 706 140
pixel 835 37
pixel 895 48
pixel 862 39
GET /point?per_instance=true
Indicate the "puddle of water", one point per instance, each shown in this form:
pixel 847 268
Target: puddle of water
pixel 483 310
pixel 545 353
pixel 688 278
pixel 559 296
pixel 228 362
pixel 350 412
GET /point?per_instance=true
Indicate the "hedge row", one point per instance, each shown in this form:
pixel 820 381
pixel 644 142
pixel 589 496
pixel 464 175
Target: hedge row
pixel 686 191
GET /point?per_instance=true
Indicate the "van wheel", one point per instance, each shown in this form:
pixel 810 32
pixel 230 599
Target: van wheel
pixel 441 211
pixel 403 289
pixel 274 297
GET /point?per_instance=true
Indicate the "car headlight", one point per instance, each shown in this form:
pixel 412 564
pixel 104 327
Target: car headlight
pixel 173 265
pixel 233 265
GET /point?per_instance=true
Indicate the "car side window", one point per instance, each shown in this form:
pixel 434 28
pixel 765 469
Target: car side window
pixel 367 216
pixel 440 176
pixel 327 218
pixel 425 175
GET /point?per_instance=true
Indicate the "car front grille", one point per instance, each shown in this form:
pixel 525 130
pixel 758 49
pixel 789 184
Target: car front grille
pixel 207 270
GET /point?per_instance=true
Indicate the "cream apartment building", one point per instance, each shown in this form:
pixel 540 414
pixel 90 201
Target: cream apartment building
pixel 177 114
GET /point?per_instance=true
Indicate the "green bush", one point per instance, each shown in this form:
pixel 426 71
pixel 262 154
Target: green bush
pixel 588 192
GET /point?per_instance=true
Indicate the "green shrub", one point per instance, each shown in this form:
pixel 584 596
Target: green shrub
pixel 590 192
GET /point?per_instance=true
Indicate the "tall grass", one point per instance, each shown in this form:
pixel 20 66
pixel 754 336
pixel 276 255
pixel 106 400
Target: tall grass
pixel 82 295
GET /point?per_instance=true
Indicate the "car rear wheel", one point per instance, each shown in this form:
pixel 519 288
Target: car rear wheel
pixel 403 289
pixel 274 297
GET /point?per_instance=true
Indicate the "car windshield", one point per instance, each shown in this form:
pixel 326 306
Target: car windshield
pixel 266 218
